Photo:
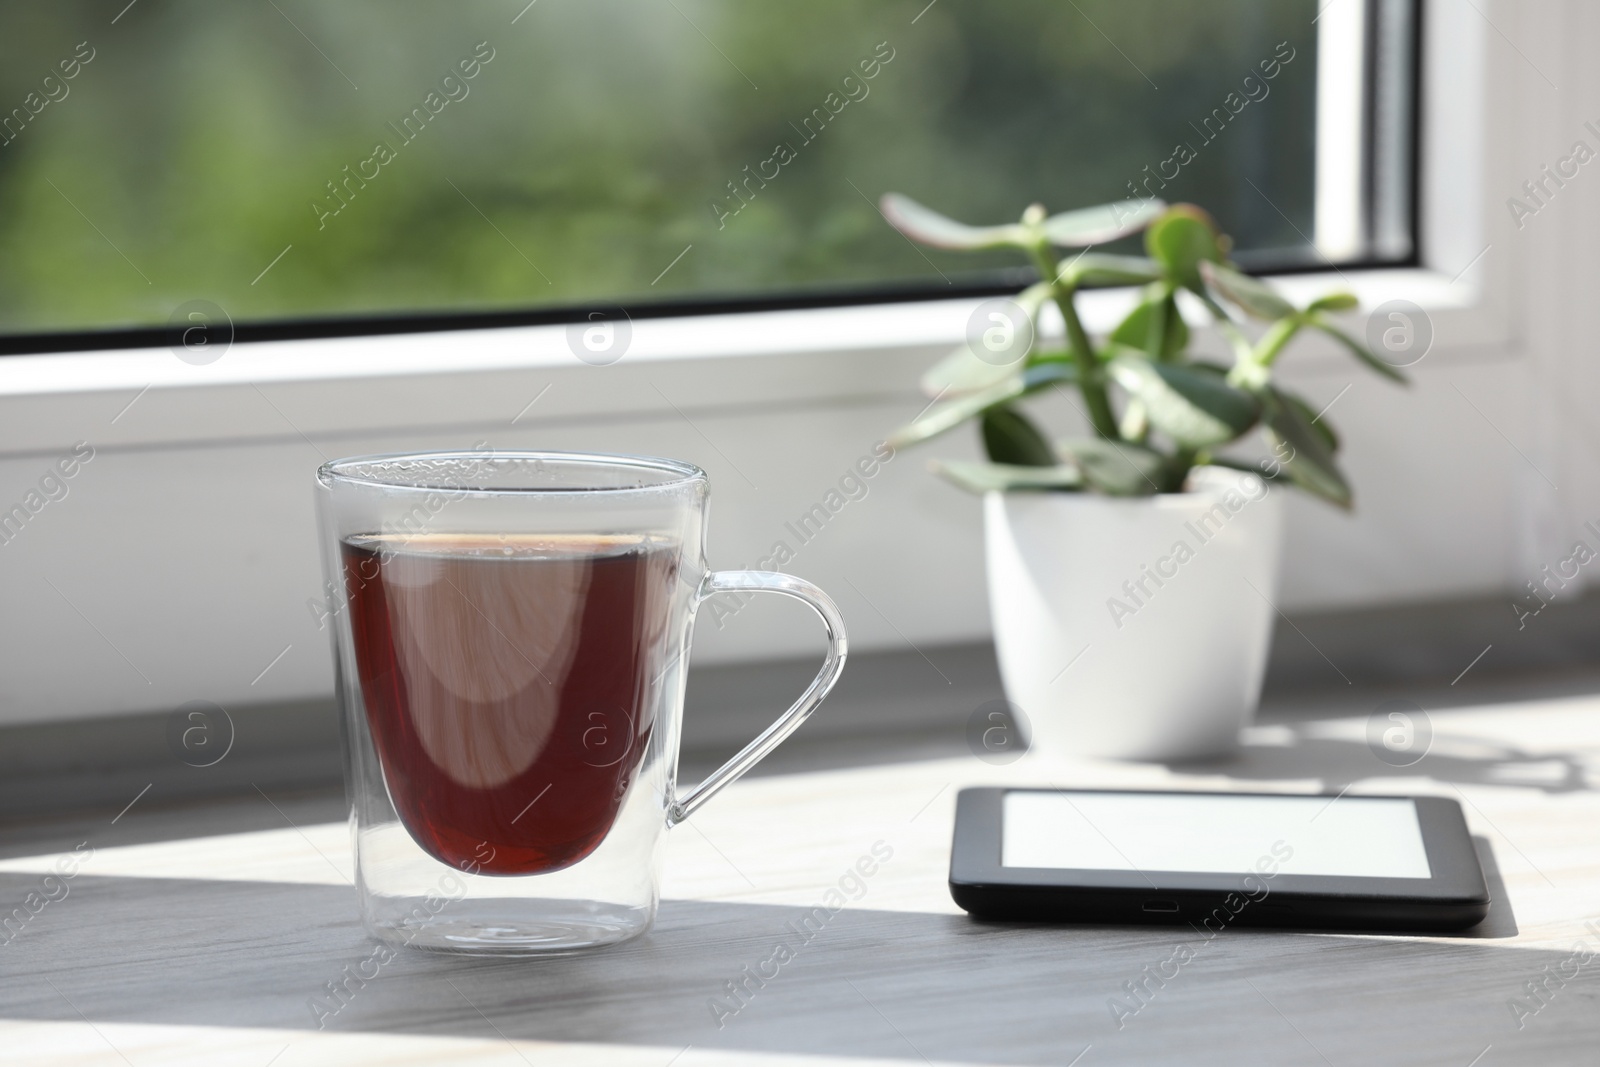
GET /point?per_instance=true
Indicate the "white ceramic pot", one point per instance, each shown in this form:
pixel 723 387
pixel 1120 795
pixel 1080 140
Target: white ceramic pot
pixel 1135 628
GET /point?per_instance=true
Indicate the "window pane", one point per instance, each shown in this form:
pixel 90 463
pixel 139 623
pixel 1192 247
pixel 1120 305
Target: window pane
pixel 292 160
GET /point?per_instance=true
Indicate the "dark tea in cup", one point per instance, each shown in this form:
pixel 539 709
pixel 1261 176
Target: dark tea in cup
pixel 510 685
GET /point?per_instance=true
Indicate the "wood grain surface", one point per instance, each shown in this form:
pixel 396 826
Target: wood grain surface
pixel 199 934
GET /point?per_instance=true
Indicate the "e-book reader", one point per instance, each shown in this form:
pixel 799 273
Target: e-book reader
pixel 1216 859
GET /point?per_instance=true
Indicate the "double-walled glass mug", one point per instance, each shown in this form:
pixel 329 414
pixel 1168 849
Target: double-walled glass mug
pixel 511 635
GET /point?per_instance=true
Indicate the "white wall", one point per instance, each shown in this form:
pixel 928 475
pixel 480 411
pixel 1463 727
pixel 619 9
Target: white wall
pixel 181 561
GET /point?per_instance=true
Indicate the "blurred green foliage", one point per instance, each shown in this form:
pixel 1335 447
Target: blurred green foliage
pixel 589 152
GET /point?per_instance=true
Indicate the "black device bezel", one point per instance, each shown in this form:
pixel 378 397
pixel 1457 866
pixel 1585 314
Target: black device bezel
pixel 1455 897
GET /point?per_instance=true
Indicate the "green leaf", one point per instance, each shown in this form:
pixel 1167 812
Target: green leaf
pixel 928 227
pixel 1359 350
pixel 999 477
pixel 1097 225
pixel 1135 422
pixel 1254 297
pixel 1303 452
pixel 1193 407
pixel 962 372
pixel 971 367
pixel 1038 375
pixel 1154 319
pixel 1010 437
pixel 1334 302
pixel 1098 268
pixel 1309 414
pixel 941 417
pixel 1180 240
pixel 1116 468
pixel 1242 465
pixel 952 413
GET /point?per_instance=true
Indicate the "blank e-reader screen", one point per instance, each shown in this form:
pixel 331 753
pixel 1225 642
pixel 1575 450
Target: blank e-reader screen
pixel 1351 837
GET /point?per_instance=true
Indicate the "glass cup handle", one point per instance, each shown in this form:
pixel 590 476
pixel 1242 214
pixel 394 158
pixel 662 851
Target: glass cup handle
pixel 787 723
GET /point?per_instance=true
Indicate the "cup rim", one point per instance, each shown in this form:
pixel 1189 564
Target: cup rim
pixel 348 470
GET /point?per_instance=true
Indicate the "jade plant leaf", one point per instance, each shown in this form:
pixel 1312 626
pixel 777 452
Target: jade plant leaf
pixel 1009 436
pixel 1135 422
pixel 1154 326
pixel 1040 374
pixel 1303 452
pixel 1334 302
pixel 1097 225
pixel 1117 468
pixel 1193 407
pixel 1359 350
pixel 962 372
pixel 1000 477
pixel 941 417
pixel 1180 240
pixel 926 226
pixel 1309 414
pixel 1098 268
pixel 951 413
pixel 1255 468
pixel 965 370
pixel 1256 298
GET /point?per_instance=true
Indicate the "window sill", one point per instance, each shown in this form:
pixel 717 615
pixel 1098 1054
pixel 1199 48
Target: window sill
pixel 355 386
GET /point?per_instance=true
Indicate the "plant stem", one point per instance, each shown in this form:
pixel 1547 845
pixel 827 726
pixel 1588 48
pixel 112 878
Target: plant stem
pixel 1156 333
pixel 1091 380
pixel 1277 335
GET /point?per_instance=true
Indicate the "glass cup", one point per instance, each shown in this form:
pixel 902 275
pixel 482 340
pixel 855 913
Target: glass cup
pixel 511 638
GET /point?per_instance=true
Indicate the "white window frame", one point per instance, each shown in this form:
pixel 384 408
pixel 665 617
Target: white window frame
pixel 1453 284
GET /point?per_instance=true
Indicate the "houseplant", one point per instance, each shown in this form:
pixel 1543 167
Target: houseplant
pixel 1133 571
